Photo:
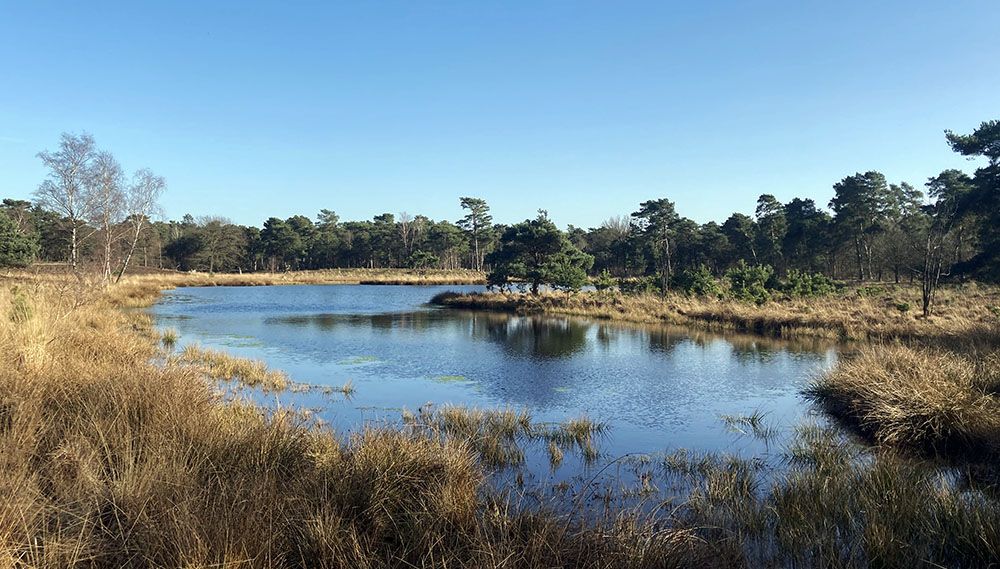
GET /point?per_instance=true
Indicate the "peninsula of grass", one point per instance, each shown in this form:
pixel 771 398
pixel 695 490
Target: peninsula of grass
pixel 857 314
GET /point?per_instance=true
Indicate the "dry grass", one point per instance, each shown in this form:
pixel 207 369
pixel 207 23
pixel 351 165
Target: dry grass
pixel 324 276
pixel 111 459
pixel 962 312
pixel 222 366
pixel 918 397
pixel 115 456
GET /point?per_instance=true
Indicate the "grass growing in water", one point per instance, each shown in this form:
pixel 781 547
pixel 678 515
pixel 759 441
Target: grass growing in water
pixel 933 400
pixel 168 338
pixel 753 424
pixel 220 365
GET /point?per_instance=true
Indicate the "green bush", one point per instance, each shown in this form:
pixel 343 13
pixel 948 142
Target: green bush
pixel 802 284
pixel 16 248
pixel 423 260
pixel 748 283
pixel 903 306
pixel 604 281
pixel 697 282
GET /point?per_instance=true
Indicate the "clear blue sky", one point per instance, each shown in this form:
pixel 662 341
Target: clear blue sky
pixel 254 109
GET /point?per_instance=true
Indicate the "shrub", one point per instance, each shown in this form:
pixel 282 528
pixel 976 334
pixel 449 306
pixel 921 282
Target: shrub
pixel 423 260
pixel 748 283
pixel 803 284
pixel 697 282
pixel 870 290
pixel 16 248
pixel 604 281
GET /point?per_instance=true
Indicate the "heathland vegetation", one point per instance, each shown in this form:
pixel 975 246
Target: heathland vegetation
pixel 117 454
pixel 119 450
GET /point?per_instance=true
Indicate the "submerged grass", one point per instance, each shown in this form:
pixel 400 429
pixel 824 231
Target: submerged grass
pixel 499 436
pixel 115 456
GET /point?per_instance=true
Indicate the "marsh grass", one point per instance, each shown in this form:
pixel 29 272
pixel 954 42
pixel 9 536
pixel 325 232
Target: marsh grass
pixel 347 389
pixel 500 436
pixel 168 337
pixel 917 397
pixel 754 425
pixel 113 456
pixel 223 366
pixel 168 279
pixel 961 315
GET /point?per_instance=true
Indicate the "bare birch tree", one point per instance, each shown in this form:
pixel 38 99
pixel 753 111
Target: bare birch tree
pixel 406 233
pixel 65 189
pixel 106 196
pixel 141 202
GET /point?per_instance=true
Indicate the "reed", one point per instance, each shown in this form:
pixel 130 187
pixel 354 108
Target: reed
pixel 168 337
pixel 222 366
pixel 918 397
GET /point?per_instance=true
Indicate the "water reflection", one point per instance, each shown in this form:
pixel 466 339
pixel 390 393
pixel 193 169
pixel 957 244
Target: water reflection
pixel 553 337
pixel 657 386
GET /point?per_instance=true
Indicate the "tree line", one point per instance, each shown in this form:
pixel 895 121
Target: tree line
pixel 873 229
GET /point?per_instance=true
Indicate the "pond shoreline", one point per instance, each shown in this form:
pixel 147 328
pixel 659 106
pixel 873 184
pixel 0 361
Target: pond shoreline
pixel 842 317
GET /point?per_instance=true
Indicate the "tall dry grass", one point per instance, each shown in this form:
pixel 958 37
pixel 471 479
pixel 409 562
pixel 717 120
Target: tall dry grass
pixel 222 366
pixel 918 397
pixel 112 459
pixel 115 456
pixel 322 276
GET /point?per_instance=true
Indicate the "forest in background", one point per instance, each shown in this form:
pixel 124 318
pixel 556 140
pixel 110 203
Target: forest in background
pixel 87 211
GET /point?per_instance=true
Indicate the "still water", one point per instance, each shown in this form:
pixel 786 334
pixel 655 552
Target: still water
pixel 657 388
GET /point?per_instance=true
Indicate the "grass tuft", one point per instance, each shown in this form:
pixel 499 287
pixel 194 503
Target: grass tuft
pixel 222 366
pixel 922 398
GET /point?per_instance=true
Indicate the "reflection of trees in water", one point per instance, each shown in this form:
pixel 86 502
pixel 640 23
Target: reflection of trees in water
pixel 548 337
pixel 745 348
pixel 417 321
pixel 535 336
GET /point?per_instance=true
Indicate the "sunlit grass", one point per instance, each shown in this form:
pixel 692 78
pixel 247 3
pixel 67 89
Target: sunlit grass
pixel 917 397
pixel 114 455
pixel 220 365
pixel 168 338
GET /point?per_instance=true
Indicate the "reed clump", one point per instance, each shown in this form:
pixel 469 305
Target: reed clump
pixel 222 366
pixel 940 401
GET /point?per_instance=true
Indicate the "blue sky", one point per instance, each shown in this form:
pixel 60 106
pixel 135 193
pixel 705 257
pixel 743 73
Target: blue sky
pixel 581 108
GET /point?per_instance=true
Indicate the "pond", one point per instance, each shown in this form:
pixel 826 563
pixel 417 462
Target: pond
pixel 657 388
